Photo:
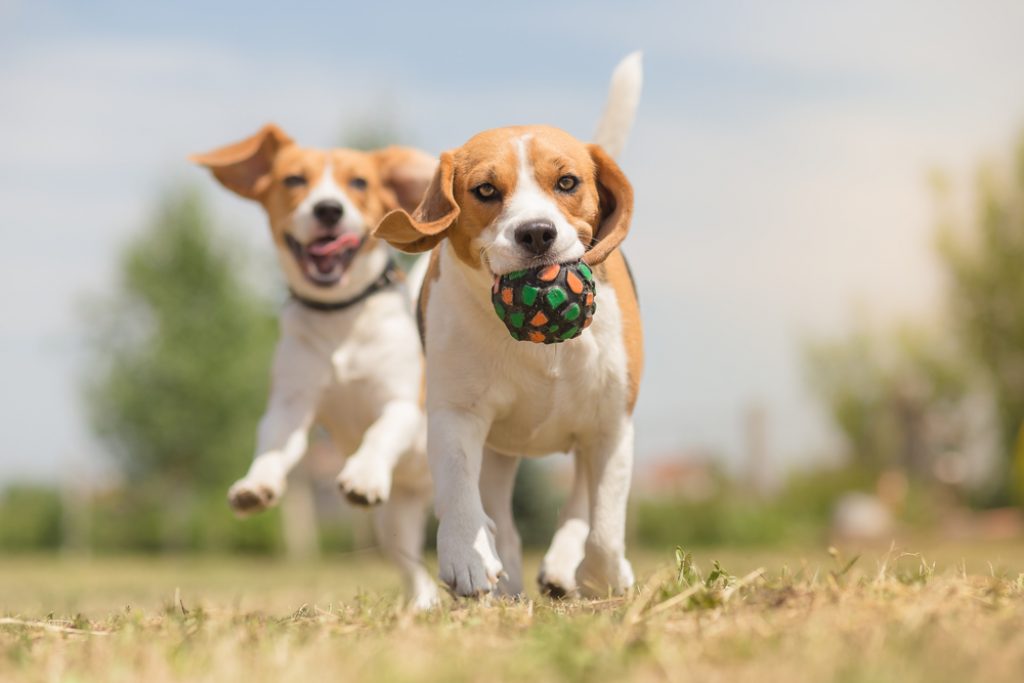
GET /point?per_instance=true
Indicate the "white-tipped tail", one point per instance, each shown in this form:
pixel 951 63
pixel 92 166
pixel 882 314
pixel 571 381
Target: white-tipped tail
pixel 620 109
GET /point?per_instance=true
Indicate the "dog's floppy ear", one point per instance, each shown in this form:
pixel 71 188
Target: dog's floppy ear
pixel 406 173
pixel 244 167
pixel 616 197
pixel 430 220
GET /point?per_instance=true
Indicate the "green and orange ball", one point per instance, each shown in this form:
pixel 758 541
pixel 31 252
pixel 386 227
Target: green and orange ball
pixel 546 305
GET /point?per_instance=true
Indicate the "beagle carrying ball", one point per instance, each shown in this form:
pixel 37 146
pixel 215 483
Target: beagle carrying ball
pixel 530 204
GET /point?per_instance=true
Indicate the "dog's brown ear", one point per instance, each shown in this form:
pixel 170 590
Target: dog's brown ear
pixel 406 173
pixel 244 167
pixel 436 213
pixel 616 197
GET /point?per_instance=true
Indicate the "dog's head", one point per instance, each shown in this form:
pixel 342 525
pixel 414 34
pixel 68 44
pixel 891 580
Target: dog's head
pixel 321 203
pixel 519 197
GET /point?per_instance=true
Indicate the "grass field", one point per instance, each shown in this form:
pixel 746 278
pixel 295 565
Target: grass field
pixel 955 613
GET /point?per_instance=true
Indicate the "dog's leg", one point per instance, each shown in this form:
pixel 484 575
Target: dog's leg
pixel 298 377
pixel 366 477
pixel 399 524
pixel 466 551
pixel 607 459
pixel 497 483
pixel 557 576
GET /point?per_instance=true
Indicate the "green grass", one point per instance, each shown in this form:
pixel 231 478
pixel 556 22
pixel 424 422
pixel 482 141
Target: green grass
pixel 954 614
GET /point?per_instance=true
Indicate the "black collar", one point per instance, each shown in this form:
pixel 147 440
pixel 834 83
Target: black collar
pixel 389 277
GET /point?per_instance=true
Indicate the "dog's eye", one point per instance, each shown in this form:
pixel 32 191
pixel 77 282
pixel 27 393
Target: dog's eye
pixel 295 181
pixel 486 192
pixel 568 183
pixel 357 183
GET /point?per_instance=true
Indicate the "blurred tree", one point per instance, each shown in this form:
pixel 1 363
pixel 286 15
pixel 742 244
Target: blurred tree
pixel 896 400
pixel 374 132
pixel 179 356
pixel 984 262
pixel 535 503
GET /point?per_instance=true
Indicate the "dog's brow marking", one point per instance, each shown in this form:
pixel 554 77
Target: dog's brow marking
pixel 525 167
pixel 326 184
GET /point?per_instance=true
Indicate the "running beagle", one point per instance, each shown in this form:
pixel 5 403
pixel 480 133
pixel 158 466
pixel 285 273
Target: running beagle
pixel 509 199
pixel 348 357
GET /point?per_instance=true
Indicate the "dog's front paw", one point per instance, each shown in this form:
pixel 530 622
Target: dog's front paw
pixel 250 495
pixel 556 584
pixel 364 482
pixel 469 563
pixel 600 573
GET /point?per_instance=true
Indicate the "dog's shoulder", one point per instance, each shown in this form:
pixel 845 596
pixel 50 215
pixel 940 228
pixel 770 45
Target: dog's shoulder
pixel 615 273
pixel 431 276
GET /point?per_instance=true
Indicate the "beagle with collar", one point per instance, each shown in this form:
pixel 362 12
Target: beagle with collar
pixel 509 199
pixel 348 357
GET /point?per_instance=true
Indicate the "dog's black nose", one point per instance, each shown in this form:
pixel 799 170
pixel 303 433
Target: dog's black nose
pixel 328 212
pixel 536 236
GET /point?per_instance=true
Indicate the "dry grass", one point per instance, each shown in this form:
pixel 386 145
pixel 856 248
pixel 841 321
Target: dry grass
pixel 888 616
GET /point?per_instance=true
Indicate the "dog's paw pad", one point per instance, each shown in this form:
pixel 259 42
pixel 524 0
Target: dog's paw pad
pixel 247 499
pixel 360 498
pixel 363 483
pixel 554 590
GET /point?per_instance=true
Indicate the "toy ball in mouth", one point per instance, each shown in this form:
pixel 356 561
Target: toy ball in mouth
pixel 546 305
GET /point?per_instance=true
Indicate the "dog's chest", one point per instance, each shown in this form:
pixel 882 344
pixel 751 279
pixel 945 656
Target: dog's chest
pixel 542 398
pixel 371 357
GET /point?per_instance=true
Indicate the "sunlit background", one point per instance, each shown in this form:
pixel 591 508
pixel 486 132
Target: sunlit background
pixel 794 166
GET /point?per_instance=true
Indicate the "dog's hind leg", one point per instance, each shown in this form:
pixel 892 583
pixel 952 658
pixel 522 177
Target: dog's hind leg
pixel 497 483
pixel 557 576
pixel 399 524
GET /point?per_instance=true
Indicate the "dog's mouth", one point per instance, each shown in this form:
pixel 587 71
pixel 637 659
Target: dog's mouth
pixel 325 260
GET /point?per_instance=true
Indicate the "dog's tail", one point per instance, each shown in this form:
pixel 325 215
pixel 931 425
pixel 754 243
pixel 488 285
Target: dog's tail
pixel 620 109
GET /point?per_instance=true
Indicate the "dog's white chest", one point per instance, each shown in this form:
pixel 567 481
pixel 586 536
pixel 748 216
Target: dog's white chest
pixel 540 399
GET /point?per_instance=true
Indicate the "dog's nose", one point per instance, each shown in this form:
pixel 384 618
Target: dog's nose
pixel 536 236
pixel 328 212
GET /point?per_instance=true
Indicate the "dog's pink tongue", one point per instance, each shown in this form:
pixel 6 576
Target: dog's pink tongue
pixel 346 241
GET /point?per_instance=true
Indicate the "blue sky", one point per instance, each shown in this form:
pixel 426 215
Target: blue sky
pixel 780 160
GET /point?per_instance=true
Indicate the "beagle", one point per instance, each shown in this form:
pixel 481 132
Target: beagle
pixel 509 199
pixel 348 357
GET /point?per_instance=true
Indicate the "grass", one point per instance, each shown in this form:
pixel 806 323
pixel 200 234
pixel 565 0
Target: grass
pixel 954 614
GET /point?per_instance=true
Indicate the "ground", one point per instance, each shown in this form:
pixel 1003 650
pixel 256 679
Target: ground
pixel 951 613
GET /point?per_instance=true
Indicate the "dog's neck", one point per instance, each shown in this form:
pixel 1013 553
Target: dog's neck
pixel 474 281
pixel 365 269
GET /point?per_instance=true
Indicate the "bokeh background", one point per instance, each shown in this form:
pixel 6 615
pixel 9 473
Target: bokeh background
pixel 829 246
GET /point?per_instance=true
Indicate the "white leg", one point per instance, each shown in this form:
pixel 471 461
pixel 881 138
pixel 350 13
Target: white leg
pixel 608 462
pixel 557 576
pixel 366 477
pixel 298 377
pixel 497 483
pixel 399 524
pixel 466 551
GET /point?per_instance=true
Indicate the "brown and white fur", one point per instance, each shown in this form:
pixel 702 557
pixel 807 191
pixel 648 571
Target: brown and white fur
pixel 356 371
pixel 500 203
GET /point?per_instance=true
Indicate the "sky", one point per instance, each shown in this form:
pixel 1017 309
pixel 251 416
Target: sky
pixel 780 161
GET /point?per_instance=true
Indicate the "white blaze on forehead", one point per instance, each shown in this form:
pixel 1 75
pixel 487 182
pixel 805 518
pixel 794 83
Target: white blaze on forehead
pixel 529 202
pixel 326 188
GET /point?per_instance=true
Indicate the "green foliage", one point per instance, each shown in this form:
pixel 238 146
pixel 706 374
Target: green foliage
pixel 142 519
pixel 985 269
pixel 180 355
pixel 881 392
pixel 535 504
pixel 30 518
pixel 375 132
pixel 800 513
